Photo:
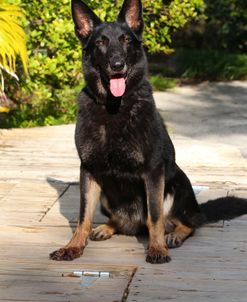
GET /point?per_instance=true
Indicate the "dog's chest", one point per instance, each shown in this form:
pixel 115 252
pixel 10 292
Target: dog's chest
pixel 111 146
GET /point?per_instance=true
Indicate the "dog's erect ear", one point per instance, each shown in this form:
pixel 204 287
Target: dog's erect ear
pixel 84 18
pixel 131 13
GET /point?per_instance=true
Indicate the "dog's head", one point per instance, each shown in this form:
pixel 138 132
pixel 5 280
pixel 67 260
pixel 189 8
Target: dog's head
pixel 113 58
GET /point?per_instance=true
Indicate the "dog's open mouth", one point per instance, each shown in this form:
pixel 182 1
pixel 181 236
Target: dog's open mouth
pixel 118 85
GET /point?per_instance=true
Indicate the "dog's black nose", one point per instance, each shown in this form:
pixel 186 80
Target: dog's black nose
pixel 117 65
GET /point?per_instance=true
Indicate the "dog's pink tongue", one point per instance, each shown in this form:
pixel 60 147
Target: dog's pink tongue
pixel 117 86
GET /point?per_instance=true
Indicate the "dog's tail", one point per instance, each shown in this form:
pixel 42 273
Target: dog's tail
pixel 224 208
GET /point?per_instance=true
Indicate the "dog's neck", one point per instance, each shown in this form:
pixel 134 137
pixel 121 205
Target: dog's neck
pixel 111 103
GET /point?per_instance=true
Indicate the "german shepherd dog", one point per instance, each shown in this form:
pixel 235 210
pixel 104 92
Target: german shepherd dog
pixel 127 157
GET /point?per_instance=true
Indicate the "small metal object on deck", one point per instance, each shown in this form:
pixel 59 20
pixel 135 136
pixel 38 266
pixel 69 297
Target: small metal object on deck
pixel 89 277
pixel 199 189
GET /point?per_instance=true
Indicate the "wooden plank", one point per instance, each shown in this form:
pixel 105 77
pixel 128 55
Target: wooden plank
pixel 5 188
pixel 39 204
pixel 66 209
pixel 208 194
pixel 28 202
pixel 212 265
pixel 39 153
pixel 25 286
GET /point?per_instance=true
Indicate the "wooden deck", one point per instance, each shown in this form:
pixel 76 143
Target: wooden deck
pixel 39 202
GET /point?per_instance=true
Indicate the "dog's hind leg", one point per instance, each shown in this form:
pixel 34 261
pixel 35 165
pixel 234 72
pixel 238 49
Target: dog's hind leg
pixel 184 214
pixel 107 230
pixel 178 235
pixel 126 220
pixel 103 231
pixel 175 231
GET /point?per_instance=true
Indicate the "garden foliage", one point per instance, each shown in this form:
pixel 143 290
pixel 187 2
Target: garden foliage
pixel 47 96
pixel 12 44
pixel 226 26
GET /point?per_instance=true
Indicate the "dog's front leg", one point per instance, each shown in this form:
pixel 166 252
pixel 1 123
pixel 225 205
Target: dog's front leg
pixel 155 186
pixel 89 196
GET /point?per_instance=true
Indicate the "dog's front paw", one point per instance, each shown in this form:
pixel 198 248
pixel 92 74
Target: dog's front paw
pixel 157 255
pixel 66 254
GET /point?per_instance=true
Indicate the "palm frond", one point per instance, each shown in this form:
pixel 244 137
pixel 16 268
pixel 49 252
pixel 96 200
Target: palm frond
pixel 12 38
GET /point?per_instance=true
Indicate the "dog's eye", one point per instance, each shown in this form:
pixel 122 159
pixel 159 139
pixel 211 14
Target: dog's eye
pixel 125 39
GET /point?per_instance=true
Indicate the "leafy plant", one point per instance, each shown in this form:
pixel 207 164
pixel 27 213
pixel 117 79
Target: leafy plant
pixel 162 18
pixel 226 26
pixel 212 65
pixel 48 94
pixel 198 65
pixel 223 28
pixel 12 41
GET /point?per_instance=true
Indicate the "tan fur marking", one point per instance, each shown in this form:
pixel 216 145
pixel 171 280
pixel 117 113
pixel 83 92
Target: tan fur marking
pixel 156 230
pixel 103 231
pixel 156 233
pixel 168 204
pixel 79 239
pixel 157 249
pixel 101 89
pixel 180 233
pixel 102 132
pixel 181 228
pixel 83 230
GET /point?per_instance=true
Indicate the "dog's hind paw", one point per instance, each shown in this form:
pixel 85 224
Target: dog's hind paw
pixel 66 254
pixel 102 232
pixel 157 256
pixel 173 240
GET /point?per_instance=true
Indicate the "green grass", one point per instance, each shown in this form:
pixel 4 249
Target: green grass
pixel 161 83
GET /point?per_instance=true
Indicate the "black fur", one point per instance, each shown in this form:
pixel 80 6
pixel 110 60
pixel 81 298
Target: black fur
pixel 223 208
pixel 122 141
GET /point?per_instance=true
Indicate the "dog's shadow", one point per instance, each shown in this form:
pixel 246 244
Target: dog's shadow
pixel 69 202
pixel 69 206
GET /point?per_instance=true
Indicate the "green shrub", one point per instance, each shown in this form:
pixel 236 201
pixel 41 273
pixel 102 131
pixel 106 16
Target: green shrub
pixel 198 65
pixel 226 26
pixel 47 96
pixel 212 65
pixel 162 18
